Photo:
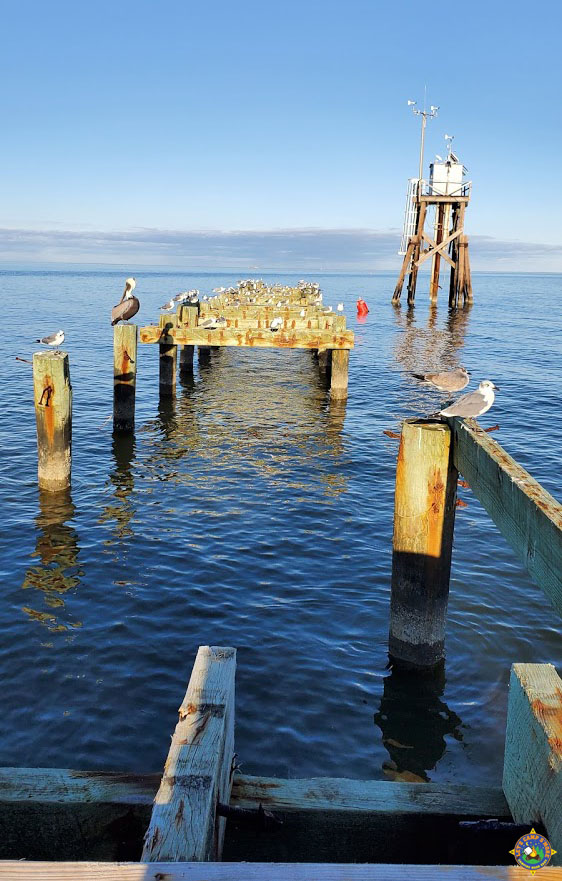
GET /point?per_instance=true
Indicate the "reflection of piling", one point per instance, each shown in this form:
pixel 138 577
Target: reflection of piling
pixel 424 516
pixel 53 414
pixel 124 376
pixel 168 354
pixel 187 317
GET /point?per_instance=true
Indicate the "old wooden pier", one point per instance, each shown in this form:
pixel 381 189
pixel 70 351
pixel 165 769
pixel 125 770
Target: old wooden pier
pixel 202 809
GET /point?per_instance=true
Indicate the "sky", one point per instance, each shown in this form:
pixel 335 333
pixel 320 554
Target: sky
pixel 258 134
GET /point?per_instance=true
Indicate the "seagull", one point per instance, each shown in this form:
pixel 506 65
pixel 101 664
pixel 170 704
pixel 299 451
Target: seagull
pixel 127 306
pixel 219 290
pixel 182 298
pixel 168 307
pixel 303 313
pixel 213 323
pixel 474 403
pixel 276 324
pixel 54 339
pixel 340 307
pixel 447 381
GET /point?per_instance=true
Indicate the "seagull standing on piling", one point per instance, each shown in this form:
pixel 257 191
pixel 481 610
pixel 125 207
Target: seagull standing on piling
pixel 446 381
pixel 169 306
pixel 474 403
pixel 128 305
pixel 54 339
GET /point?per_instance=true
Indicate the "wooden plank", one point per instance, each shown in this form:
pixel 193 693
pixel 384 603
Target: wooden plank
pixel 326 794
pixel 64 785
pixel 528 517
pixel 198 770
pixel 165 871
pixel 439 249
pixel 297 339
pixel 532 772
pixel 311 794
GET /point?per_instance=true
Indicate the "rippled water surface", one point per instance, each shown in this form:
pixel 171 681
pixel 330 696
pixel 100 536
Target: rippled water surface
pixel 251 513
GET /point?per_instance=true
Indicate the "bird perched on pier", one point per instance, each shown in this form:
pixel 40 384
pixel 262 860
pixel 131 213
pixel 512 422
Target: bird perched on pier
pixel 168 307
pixel 474 403
pixel 213 323
pixel 54 339
pixel 446 381
pixel 128 305
pixel 340 307
pixel 276 324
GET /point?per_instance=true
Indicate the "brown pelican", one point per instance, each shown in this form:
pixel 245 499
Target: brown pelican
pixel 474 403
pixel 127 306
pixel 54 339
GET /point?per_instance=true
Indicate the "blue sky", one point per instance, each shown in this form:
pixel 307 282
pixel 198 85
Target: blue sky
pixel 125 123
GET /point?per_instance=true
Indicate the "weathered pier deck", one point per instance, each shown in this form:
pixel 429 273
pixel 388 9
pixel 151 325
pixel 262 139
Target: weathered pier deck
pixel 255 315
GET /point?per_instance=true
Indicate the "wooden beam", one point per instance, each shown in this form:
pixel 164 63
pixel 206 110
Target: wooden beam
pixel 14 870
pixel 187 317
pixel 329 794
pixel 532 771
pixel 198 770
pixel 439 248
pixel 298 339
pixel 405 266
pixel 436 252
pixel 528 517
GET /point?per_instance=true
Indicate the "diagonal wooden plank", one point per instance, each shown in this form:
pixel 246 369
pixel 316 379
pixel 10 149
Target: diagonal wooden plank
pixel 528 517
pixel 434 245
pixel 439 248
pixel 532 774
pixel 198 770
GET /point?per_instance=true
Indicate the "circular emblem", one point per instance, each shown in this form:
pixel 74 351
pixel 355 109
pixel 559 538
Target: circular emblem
pixel 532 851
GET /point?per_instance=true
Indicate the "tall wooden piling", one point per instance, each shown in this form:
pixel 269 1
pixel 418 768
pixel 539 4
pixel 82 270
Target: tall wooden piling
pixel 424 516
pixel 187 317
pixel 124 376
pixel 53 414
pixel 339 377
pixel 168 356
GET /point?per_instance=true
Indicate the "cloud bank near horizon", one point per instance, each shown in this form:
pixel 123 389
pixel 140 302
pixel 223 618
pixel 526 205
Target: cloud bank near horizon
pixel 311 249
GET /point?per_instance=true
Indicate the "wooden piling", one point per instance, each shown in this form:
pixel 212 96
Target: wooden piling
pixel 125 338
pixel 168 354
pixel 187 317
pixel 53 415
pixel 424 516
pixel 339 378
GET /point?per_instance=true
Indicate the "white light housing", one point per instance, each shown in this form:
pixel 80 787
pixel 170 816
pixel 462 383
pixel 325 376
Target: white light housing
pixel 410 103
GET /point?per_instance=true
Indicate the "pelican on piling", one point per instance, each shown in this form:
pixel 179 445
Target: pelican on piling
pixel 128 305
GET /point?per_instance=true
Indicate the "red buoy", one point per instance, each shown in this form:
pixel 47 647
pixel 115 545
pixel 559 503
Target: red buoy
pixel 362 307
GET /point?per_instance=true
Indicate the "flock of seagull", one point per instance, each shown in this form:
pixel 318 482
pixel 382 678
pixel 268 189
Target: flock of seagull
pixel 469 405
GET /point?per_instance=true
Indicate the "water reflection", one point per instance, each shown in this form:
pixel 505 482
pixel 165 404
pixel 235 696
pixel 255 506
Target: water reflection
pixel 121 480
pixel 57 569
pixel 415 721
pixel 266 411
pixel 421 348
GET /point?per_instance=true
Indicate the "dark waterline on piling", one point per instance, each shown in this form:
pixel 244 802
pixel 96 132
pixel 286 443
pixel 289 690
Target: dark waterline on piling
pixel 248 513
